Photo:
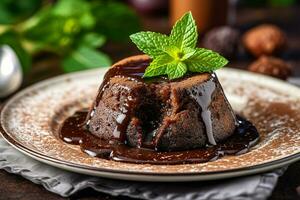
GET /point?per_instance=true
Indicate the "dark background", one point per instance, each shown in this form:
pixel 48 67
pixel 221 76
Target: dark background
pixel 45 63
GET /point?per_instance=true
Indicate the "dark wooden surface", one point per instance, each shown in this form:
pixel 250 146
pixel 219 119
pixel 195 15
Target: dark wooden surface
pixel 16 187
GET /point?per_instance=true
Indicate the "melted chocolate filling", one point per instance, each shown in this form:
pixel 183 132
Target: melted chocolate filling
pixel 73 131
pixel 133 71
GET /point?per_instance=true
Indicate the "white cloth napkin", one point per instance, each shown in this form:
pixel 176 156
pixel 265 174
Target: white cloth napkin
pixel 294 80
pixel 67 183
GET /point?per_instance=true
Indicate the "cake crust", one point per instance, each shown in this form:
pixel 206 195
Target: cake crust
pixel 186 113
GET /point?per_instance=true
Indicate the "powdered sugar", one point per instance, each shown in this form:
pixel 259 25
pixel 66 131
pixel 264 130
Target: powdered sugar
pixel 32 116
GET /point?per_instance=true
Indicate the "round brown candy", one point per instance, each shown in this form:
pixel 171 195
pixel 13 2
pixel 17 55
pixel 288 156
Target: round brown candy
pixel 271 66
pixel 223 40
pixel 265 39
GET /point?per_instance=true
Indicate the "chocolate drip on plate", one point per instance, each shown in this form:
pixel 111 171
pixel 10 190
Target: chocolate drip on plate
pixel 244 137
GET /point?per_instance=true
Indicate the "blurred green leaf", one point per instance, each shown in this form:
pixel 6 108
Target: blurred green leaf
pixel 55 33
pixel 14 11
pixel 93 40
pixel 280 3
pixel 50 31
pixel 115 20
pixel 85 58
pixel 11 38
pixel 70 7
pixel 80 9
pixel 61 26
pixel 72 29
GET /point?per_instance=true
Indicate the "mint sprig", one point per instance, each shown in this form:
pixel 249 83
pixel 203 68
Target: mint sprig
pixel 177 54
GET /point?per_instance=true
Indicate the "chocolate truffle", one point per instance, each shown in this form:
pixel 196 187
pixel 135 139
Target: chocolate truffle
pixel 265 39
pixel 162 114
pixel 271 66
pixel 223 40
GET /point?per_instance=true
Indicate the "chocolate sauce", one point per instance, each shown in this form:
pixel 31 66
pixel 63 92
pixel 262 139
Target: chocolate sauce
pixel 134 71
pixel 203 100
pixel 73 131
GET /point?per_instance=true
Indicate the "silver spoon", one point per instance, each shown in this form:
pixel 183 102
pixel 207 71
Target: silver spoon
pixel 11 75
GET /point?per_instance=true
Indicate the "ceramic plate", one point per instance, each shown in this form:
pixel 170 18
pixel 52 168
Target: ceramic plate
pixel 30 121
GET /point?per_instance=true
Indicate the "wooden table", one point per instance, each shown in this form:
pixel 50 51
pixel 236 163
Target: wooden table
pixel 16 187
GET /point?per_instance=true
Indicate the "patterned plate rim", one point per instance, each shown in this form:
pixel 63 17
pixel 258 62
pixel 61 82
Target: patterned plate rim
pixel 89 169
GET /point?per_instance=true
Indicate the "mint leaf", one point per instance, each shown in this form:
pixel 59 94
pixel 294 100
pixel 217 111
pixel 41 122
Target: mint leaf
pixel 184 33
pixel 176 70
pixel 173 51
pixel 179 55
pixel 204 60
pixel 85 58
pixel 151 43
pixel 176 54
pixel 188 52
pixel 158 66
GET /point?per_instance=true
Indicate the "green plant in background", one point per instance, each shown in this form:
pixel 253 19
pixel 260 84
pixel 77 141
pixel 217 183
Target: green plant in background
pixel 11 12
pixel 274 3
pixel 72 29
pixel 281 3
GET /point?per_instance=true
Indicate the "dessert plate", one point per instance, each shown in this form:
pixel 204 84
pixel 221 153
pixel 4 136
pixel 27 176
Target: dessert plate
pixel 30 119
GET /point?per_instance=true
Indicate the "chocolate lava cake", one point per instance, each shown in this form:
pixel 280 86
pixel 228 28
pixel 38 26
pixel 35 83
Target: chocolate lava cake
pixel 157 113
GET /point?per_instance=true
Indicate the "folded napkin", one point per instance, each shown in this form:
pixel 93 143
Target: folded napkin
pixel 294 80
pixel 67 183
